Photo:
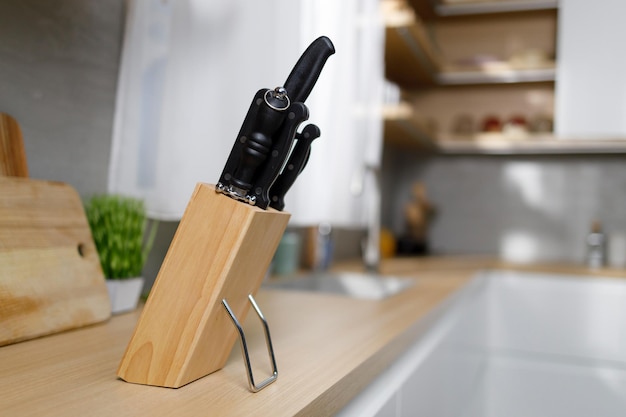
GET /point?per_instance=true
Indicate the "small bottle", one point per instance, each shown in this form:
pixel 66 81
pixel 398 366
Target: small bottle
pixel 596 246
pixel 318 247
pixel 324 247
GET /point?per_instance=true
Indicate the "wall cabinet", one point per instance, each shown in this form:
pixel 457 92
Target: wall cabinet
pixel 476 77
pixel 591 98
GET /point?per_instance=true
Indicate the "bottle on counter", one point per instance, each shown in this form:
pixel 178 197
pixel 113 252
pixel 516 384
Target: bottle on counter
pixel 596 246
pixel 319 247
pixel 286 259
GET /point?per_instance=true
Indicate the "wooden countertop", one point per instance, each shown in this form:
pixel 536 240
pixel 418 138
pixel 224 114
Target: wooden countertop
pixel 328 348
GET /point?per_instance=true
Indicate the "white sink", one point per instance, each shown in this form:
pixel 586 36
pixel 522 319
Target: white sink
pixel 514 344
pixel 350 284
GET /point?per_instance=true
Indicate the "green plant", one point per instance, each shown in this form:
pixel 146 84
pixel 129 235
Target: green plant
pixel 118 225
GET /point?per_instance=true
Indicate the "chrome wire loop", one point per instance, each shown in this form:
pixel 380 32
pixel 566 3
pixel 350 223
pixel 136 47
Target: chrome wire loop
pixel 244 346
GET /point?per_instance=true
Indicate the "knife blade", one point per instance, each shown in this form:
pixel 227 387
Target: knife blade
pixel 294 166
pixel 269 129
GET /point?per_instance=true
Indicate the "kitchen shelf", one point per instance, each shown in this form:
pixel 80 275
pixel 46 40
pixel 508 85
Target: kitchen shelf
pixel 542 144
pixel 483 7
pixel 412 60
pixel 415 63
pixel 406 129
pixel 497 76
pixel 410 56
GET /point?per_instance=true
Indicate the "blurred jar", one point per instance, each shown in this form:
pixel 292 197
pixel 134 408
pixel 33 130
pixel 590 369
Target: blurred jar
pixel 516 128
pixel 318 252
pixel 491 123
pixel 463 125
pixel 542 123
pixel 287 257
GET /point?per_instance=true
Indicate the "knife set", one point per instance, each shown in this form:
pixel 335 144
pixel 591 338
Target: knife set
pixel 253 169
pixel 225 241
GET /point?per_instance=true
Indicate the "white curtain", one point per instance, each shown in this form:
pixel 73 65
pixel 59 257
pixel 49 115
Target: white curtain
pixel 189 71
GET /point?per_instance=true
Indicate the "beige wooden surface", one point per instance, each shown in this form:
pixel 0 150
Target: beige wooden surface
pixel 327 348
pixel 50 275
pixel 221 250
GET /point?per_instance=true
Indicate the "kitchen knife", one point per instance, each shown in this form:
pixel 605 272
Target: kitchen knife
pixel 268 131
pixel 294 166
pixel 307 70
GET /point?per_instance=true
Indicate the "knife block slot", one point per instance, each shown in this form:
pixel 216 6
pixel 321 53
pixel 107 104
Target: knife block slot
pixel 221 250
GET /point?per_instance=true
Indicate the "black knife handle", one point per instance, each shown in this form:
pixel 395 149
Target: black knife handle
pixel 258 143
pixel 296 163
pixel 307 70
pixel 268 172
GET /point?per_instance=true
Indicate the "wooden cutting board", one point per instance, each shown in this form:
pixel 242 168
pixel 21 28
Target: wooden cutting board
pixel 12 153
pixel 50 275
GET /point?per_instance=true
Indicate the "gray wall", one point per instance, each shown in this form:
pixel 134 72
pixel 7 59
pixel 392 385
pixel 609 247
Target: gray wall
pixel 58 71
pixel 527 208
pixel 59 63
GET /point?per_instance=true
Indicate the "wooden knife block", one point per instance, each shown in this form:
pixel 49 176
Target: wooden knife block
pixel 222 249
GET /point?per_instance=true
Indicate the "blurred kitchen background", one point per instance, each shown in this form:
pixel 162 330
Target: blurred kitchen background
pixel 506 118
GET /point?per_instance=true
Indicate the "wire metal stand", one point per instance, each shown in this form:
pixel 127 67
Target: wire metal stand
pixel 244 346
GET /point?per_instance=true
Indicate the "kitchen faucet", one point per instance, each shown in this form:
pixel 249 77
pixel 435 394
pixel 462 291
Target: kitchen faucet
pixel 371 249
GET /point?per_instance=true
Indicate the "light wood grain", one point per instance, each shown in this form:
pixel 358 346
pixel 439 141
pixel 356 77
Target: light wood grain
pixel 410 59
pixel 222 249
pixel 12 154
pixel 328 348
pixel 50 275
